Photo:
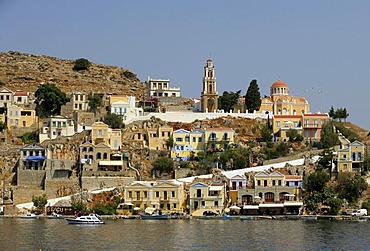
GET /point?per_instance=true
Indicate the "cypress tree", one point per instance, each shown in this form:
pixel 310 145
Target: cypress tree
pixel 253 97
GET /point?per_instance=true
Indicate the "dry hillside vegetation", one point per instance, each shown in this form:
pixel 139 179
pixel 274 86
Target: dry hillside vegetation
pixel 21 71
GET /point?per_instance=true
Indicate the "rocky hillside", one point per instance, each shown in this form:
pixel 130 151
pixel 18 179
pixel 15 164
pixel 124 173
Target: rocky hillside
pixel 21 71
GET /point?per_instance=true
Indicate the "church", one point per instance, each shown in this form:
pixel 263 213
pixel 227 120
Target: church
pixel 281 103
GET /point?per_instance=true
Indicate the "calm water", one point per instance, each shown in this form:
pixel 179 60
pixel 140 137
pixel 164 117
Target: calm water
pixel 46 234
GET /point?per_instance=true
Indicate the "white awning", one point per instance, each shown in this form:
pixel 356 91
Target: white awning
pixel 272 205
pixel 251 207
pixel 111 163
pixel 293 203
pixel 215 188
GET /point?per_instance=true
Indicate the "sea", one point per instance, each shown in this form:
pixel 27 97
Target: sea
pixel 193 234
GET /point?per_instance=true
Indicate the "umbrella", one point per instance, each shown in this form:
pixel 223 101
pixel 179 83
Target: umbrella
pixel 136 208
pixel 235 208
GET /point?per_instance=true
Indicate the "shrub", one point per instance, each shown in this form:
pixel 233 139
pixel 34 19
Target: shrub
pixel 81 64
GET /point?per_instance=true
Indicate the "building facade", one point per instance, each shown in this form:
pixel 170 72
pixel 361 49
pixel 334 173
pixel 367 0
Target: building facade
pixel 160 88
pixel 350 159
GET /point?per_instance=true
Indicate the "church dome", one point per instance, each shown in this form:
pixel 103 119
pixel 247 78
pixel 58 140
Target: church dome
pixel 279 88
pixel 279 83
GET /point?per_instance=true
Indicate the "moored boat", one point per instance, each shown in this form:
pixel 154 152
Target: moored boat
pixel 247 218
pixel 55 216
pixel 154 215
pixel 86 219
pixel 29 215
pixel 309 217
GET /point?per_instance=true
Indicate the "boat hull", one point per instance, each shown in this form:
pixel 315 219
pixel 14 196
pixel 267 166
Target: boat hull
pixel 80 222
pixel 155 217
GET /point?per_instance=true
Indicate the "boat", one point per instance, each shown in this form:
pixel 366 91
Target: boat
pixel 92 219
pixel 154 215
pixel 309 217
pixel 29 215
pixel 55 216
pixel 266 217
pixel 226 217
pixel 247 218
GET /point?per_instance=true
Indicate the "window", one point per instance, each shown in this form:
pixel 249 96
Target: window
pixel 279 182
pixel 203 203
pixel 277 123
pixel 130 194
pixel 157 194
pixel 216 203
pixel 200 139
pixel 173 194
pixel 115 143
pixel 179 139
pixel 145 194
pixel 212 136
pixel 194 139
pixel 258 183
pixel 265 183
pixel 187 139
pixel 274 182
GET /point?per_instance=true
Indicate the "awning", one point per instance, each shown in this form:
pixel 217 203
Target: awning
pixel 127 204
pixel 293 203
pixel 272 205
pixel 111 163
pixel 251 207
pixel 35 158
pixel 215 188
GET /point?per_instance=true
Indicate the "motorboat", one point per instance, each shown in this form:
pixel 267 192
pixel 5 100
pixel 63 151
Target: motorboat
pixel 309 217
pixel 247 218
pixel 29 215
pixel 226 217
pixel 55 216
pixel 154 215
pixel 86 219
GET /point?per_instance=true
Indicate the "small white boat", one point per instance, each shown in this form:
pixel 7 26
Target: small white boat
pixel 86 219
pixel 29 215
pixel 55 216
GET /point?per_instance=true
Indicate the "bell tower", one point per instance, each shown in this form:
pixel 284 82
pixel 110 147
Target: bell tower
pixel 209 97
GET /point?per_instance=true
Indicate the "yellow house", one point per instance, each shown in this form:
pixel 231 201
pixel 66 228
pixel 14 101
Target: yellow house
pixel 166 195
pixel 282 123
pixel 19 117
pixel 207 199
pixel 158 137
pixel 218 138
pixel 99 133
pixel 281 103
pixel 350 159
pixel 186 143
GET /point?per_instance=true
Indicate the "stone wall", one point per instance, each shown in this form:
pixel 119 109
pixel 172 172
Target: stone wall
pixel 100 182
pixel 61 187
pixel 23 194
pixel 30 177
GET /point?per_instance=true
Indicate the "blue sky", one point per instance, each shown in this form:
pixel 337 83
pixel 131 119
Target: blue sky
pixel 319 48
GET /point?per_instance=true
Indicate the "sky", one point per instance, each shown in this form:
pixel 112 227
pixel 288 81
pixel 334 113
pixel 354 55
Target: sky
pixel 320 48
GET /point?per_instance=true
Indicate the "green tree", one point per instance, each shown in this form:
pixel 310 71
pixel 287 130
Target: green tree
pixel 328 136
pixel 350 187
pixel 235 158
pixel 95 101
pixel 366 164
pixel 163 164
pixel 315 182
pixel 228 100
pixel 253 97
pixel 81 64
pixel 266 133
pixel 292 134
pixel 326 159
pixel 2 126
pixel 40 201
pixel 114 121
pixel 335 205
pixel 49 100
pixel 332 112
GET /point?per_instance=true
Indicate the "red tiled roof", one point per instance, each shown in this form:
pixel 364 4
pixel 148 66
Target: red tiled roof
pixel 316 114
pixel 293 177
pixel 287 116
pixel 21 94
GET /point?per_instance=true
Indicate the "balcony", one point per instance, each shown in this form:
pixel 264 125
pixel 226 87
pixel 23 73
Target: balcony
pixel 310 125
